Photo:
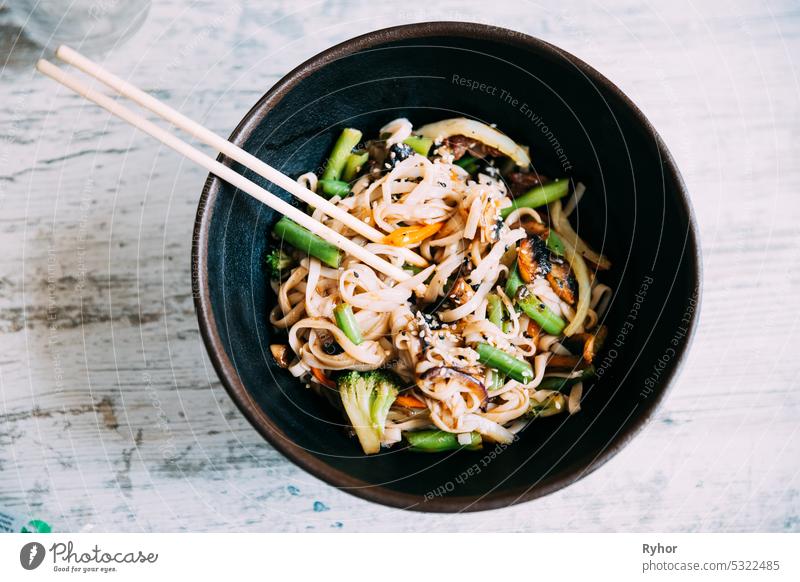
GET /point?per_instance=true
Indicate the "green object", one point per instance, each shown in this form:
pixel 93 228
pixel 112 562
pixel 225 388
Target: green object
pixel 348 139
pixel 335 188
pixel 304 240
pixel 554 243
pixel 353 165
pixel 495 309
pixel 564 384
pixel 438 441
pixel 553 404
pixel 346 321
pixel 495 313
pixel 413 268
pixel 513 283
pixel 538 196
pixel 533 307
pixel 12 523
pixel 36 526
pixel 469 163
pixel 366 398
pixel 277 261
pixel 421 145
pixel 497 380
pixel 497 359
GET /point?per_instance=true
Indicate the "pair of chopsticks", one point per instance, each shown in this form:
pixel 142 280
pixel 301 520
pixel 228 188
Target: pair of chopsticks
pixel 234 152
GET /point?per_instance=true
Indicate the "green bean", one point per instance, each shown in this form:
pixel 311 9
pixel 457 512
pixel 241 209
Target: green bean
pixel 496 380
pixel 553 404
pixel 348 139
pixel 437 441
pixel 469 163
pixel 538 196
pixel 514 282
pixel 554 243
pixel 497 359
pixel 335 188
pixel 304 240
pixel 353 165
pixel 421 145
pixel 495 309
pixel 346 321
pixel 533 307
pixel 563 384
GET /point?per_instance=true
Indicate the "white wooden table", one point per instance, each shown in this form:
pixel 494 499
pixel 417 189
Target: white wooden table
pixel 111 417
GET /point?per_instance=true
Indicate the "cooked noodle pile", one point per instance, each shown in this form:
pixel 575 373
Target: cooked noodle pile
pixel 429 331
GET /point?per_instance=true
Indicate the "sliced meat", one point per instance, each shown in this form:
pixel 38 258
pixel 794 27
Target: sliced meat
pixel 533 258
pixel 536 228
pixel 521 182
pixel 566 362
pixel 461 144
pixel 460 292
pixel 562 280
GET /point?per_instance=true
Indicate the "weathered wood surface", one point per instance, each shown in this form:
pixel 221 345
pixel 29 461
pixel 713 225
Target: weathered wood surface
pixel 110 415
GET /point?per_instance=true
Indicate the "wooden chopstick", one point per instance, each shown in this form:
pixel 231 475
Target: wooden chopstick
pixel 222 171
pixel 231 150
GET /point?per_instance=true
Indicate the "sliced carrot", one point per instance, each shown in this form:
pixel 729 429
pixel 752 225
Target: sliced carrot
pixel 409 235
pixel 409 401
pixel 320 377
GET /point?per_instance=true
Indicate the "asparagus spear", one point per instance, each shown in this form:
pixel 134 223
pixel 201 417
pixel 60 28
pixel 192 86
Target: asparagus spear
pixel 305 240
pixel 346 321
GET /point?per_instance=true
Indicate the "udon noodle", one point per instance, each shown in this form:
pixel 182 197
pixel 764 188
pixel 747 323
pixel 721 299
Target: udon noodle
pixel 499 322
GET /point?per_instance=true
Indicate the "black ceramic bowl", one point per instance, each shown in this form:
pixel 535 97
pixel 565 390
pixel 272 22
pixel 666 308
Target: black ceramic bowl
pixel 577 123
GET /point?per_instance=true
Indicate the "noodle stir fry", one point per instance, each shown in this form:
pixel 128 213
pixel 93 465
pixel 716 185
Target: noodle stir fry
pixel 499 322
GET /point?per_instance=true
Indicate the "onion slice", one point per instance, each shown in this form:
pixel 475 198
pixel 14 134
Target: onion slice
pixel 479 131
pixel 565 232
pixel 575 395
pixel 584 286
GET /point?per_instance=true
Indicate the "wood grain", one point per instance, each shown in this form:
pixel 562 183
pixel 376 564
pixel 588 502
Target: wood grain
pixel 111 417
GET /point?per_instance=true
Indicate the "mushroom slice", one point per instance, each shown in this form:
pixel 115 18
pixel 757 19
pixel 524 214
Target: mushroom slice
pixel 281 353
pixel 588 343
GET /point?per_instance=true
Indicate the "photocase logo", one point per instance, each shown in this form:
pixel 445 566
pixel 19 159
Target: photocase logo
pixel 31 555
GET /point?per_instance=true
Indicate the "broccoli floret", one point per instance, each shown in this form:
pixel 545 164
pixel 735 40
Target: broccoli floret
pixel 367 397
pixel 277 261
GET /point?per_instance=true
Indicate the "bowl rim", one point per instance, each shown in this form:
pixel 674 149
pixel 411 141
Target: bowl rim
pixel 260 420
